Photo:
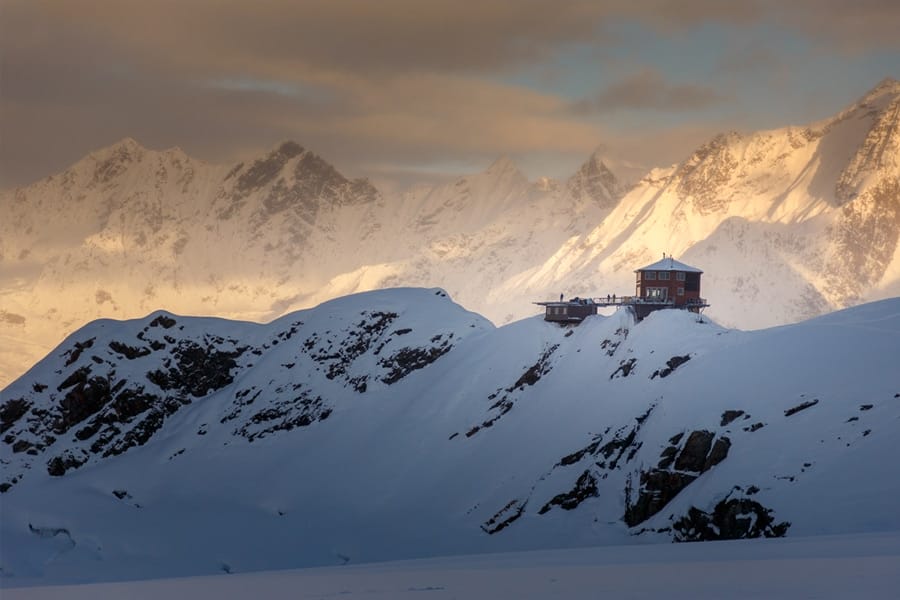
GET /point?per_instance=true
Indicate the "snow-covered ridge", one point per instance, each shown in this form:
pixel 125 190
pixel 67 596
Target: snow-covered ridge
pixel 395 424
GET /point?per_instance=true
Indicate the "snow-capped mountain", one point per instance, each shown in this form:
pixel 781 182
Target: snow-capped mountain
pixel 128 230
pixel 396 424
pixel 786 224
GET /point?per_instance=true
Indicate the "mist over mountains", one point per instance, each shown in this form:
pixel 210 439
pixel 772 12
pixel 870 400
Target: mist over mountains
pixel 786 224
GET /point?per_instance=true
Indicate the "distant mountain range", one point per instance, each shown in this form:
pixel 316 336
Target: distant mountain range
pixel 396 424
pixel 786 224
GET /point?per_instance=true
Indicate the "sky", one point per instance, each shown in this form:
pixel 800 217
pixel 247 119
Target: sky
pixel 411 90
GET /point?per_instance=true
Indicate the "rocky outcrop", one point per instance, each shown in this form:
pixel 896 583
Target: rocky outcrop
pixel 504 517
pixel 678 467
pixel 585 487
pixel 730 519
pixel 671 364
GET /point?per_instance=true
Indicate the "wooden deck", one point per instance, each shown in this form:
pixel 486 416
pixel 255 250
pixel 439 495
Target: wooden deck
pixel 576 310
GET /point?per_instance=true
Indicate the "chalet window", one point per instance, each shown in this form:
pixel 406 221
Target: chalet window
pixel 679 275
pixel 681 291
pixel 649 274
pixel 664 275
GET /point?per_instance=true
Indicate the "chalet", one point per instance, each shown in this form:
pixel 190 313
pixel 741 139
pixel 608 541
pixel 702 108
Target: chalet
pixel 666 283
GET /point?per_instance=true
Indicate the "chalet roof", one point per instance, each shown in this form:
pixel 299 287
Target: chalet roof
pixel 669 264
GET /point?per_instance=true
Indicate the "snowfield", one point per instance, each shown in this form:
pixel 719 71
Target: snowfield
pixel 396 425
pixel 848 566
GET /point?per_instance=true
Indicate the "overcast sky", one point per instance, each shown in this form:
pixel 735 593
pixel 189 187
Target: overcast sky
pixel 409 89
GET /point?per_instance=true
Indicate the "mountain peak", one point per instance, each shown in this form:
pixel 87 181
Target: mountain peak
pixel 886 87
pixel 502 165
pixel 887 84
pixel 126 146
pixel 596 181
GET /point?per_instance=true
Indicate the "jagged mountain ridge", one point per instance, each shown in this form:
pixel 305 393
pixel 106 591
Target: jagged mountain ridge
pixel 786 224
pixel 127 230
pixel 396 424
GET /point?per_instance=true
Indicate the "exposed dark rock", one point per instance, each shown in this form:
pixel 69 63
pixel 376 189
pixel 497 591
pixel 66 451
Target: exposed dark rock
pixel 657 488
pixel 58 465
pixel 865 407
pixel 504 517
pixel 138 435
pixel 672 364
pixel 351 344
pixel 132 402
pixel 163 321
pixel 614 450
pixel 799 407
pixel 38 387
pixel 718 453
pixel 199 370
pixel 696 448
pixel 754 427
pixel 281 415
pixel 571 459
pixel 360 383
pixel 730 415
pixel 611 346
pixel 731 519
pixel 505 403
pixel 667 457
pixel 77 376
pixel 534 373
pixel 21 446
pixel 83 400
pixel 129 352
pixel 406 360
pixel 625 368
pixel 11 411
pixel 585 487
pixel 121 494
pixel 75 352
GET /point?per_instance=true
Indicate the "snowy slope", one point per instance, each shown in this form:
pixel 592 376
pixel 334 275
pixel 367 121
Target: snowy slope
pixel 395 424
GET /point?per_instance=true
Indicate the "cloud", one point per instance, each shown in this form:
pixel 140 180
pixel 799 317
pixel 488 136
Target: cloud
pixel 392 82
pixel 648 90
